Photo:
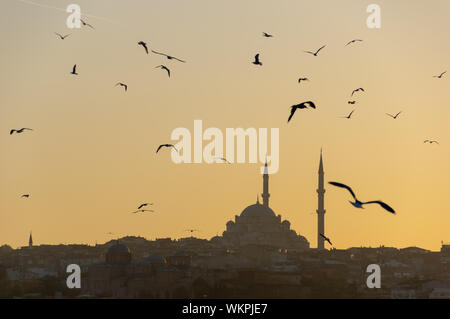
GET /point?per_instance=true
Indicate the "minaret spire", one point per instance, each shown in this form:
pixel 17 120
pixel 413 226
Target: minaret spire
pixel 265 194
pixel 321 206
pixel 30 240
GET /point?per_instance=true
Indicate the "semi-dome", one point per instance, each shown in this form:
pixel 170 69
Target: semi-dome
pixel 118 248
pixel 118 254
pixel 257 210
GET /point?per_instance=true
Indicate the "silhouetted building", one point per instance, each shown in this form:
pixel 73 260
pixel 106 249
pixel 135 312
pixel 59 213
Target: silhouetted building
pixel 30 241
pixel 258 225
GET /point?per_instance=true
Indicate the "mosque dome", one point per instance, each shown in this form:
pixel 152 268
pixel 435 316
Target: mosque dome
pixel 118 254
pixel 257 210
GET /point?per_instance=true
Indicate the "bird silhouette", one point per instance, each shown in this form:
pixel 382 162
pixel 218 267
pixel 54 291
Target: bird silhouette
pixel 440 75
pixel 25 195
pixel 394 116
pixel 315 53
pixel 61 36
pixel 349 116
pixel 257 62
pixel 191 230
pixel 144 204
pixel 353 41
pixel 19 130
pixel 166 145
pixel 168 56
pixel 358 89
pixel 431 141
pixel 266 35
pixel 303 105
pixel 144 45
pixel 326 238
pixel 223 159
pixel 74 70
pixel 142 211
pixel 86 24
pixel 123 84
pixel 163 67
pixel 302 79
pixel 351 102
pixel 358 204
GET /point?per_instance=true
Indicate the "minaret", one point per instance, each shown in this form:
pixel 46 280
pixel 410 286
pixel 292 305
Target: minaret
pixel 265 195
pixel 320 207
pixel 30 241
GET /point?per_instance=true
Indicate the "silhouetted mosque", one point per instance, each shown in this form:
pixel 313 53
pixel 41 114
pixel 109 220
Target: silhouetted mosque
pixel 259 225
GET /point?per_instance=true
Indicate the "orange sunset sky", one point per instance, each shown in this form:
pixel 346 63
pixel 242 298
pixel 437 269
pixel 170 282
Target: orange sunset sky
pixel 90 160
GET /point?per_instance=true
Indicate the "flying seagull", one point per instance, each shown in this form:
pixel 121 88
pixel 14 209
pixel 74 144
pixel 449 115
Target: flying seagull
pixel 257 62
pixel 163 67
pixel 142 211
pixel 74 70
pixel 123 84
pixel 86 24
pixel 359 204
pixel 168 56
pixel 431 141
pixel 191 230
pixel 25 195
pixel 62 36
pixel 144 204
pixel 223 159
pixel 394 116
pixel 266 35
pixel 303 105
pixel 440 75
pixel 326 238
pixel 353 41
pixel 144 45
pixel 349 116
pixel 20 130
pixel 302 79
pixel 315 53
pixel 351 102
pixel 166 145
pixel 358 89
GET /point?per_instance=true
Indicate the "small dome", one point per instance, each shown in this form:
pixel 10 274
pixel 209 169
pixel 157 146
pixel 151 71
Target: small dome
pixel 118 248
pixel 257 210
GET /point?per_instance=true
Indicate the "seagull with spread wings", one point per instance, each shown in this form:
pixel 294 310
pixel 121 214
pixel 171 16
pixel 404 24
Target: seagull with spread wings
pixel 166 145
pixel 86 24
pixel 142 211
pixel 303 105
pixel 431 141
pixel 19 130
pixel 394 116
pixel 349 116
pixel 266 35
pixel 326 239
pixel 302 79
pixel 351 102
pixel 62 36
pixel 123 84
pixel 222 159
pixel 144 204
pixel 168 56
pixel 317 52
pixel 353 41
pixel 440 75
pixel 163 67
pixel 25 196
pixel 357 90
pixel 257 62
pixel 357 203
